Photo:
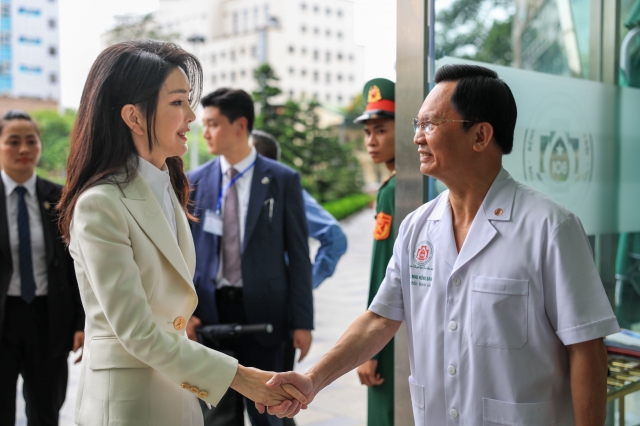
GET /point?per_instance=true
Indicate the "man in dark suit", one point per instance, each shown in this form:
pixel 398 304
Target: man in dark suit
pixel 41 315
pixel 251 214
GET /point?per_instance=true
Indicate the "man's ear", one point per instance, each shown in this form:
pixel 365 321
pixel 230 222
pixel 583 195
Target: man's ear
pixel 132 117
pixel 241 124
pixel 483 136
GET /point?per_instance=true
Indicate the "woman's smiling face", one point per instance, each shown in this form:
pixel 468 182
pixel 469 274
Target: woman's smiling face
pixel 173 116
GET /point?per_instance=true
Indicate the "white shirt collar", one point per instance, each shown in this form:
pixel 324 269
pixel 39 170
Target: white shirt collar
pixel 241 165
pixel 10 184
pixel 497 204
pixel 157 179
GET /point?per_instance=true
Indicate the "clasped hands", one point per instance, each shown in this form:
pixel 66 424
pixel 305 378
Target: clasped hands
pixel 281 394
pixel 301 389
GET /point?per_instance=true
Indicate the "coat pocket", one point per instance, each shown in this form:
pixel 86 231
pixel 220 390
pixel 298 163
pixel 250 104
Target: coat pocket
pixel 107 353
pixel 508 413
pixel 499 312
pixel 417 401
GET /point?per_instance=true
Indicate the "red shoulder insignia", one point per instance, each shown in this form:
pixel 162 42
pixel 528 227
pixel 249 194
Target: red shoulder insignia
pixel 383 226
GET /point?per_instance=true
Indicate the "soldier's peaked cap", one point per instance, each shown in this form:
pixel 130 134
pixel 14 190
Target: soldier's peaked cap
pixel 379 96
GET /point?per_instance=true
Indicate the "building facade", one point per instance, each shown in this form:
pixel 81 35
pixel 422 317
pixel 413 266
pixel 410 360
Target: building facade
pixel 29 49
pixel 309 43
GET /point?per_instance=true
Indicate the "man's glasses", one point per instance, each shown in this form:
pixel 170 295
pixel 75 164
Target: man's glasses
pixel 428 125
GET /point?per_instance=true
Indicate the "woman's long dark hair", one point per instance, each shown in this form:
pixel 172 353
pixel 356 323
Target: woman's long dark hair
pixel 101 143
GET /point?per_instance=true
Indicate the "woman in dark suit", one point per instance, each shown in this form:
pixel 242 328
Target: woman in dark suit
pixel 41 316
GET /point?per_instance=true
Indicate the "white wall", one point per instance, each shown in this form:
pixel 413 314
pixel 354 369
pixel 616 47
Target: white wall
pixel 235 32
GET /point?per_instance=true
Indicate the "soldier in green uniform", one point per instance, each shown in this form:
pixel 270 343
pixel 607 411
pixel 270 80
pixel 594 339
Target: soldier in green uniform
pixel 379 128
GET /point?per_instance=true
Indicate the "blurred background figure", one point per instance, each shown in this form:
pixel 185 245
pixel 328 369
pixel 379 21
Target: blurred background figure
pixel 41 316
pixel 322 227
pixel 380 140
pixel 251 218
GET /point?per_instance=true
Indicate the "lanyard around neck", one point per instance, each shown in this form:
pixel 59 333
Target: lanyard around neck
pixel 224 190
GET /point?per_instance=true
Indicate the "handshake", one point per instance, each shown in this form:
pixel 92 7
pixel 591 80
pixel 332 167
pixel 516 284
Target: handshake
pixel 279 394
pixel 285 394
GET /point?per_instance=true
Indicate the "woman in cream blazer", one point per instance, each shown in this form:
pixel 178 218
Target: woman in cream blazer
pixel 123 213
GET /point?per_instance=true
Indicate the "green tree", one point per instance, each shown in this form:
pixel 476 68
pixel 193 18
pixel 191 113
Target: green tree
pixel 328 169
pixel 136 27
pixel 354 109
pixel 55 130
pixel 469 29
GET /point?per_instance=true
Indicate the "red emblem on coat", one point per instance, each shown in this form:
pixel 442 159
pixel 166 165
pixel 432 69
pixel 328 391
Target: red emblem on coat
pixel 422 254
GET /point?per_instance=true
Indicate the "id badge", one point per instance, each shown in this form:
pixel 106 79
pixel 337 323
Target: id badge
pixel 212 223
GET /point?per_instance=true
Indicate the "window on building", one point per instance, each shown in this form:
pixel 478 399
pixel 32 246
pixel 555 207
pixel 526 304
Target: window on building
pixel 316 8
pixel 52 23
pixel 303 6
pixel 339 77
pixel 291 93
pixel 53 51
pixel 316 30
pixel 233 76
pixel 53 78
pixel 5 37
pixel 328 56
pixel 232 55
pixel 303 28
pixel 235 23
pixel 256 18
pixel 340 35
pixel 213 79
pixel 266 14
pixel 339 13
pixel 327 78
pixel 316 55
pixel 339 56
pixel 254 51
pixel 27 11
pixel 351 57
pixel 245 20
pixel 30 40
pixel 5 67
pixel 316 76
pixel 303 50
pixel 223 54
pixel 5 10
pixel 351 78
pixel 328 11
pixel 213 59
pixel 292 49
pixel 303 72
pixel 242 50
pixel 243 73
pixel 328 32
pixel 327 97
pixel 339 98
pixel 291 71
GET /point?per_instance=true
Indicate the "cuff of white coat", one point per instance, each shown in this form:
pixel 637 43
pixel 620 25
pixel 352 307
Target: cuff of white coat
pixel 591 331
pixel 227 373
pixel 390 312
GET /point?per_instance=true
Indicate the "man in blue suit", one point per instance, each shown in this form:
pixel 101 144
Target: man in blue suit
pixel 251 215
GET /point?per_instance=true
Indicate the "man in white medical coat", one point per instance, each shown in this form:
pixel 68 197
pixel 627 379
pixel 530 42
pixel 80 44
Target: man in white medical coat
pixel 505 309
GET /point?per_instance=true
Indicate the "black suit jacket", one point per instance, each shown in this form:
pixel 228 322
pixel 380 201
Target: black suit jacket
pixel 276 291
pixel 66 315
